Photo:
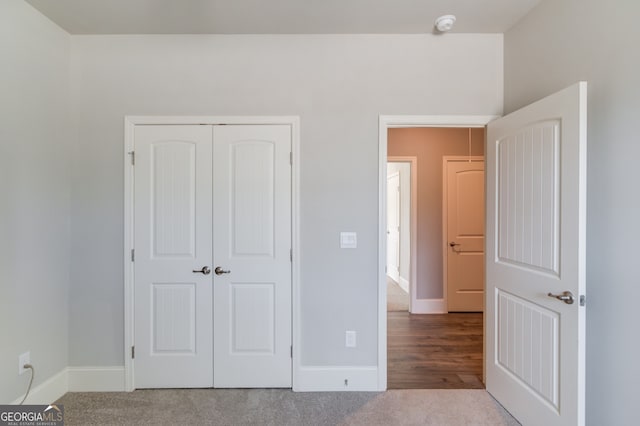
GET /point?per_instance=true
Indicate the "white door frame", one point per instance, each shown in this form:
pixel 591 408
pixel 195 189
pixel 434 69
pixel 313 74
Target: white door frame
pixel 386 122
pixel 445 217
pixel 413 222
pixel 129 125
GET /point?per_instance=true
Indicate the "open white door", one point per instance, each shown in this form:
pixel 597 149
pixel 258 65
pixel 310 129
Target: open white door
pixel 393 226
pixel 536 213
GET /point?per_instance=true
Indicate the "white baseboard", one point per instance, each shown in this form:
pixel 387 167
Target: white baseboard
pixel 76 379
pixel 330 379
pixel 429 306
pixel 48 391
pixel 404 284
pixel 96 379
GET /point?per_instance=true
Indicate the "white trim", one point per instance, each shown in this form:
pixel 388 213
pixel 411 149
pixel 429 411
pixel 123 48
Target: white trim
pixel 384 123
pixel 332 379
pixel 48 391
pixel 445 218
pixel 404 284
pixel 129 126
pixel 96 379
pixel 413 228
pixel 430 306
pixel 76 379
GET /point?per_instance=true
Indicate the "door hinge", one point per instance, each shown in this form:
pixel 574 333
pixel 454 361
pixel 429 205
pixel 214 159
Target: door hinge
pixel 291 347
pixel 291 158
pixel 133 157
pixel 290 255
pixel 583 300
pixel 133 255
pixel 133 352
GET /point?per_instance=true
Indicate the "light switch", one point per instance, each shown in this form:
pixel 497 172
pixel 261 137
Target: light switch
pixel 348 240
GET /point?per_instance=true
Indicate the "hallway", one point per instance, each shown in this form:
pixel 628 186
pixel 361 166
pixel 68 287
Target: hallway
pixel 440 351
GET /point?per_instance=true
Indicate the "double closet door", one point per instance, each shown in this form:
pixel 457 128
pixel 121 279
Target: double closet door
pixel 212 256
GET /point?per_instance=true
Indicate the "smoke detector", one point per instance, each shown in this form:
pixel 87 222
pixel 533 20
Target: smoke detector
pixel 445 23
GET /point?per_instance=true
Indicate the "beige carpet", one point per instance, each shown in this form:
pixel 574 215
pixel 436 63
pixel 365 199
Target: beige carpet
pixel 397 298
pixel 284 407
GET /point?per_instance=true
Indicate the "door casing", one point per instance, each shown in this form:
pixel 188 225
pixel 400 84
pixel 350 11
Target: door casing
pixel 386 122
pixel 129 126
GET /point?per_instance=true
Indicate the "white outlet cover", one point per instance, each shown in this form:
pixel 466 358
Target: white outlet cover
pixel 348 240
pixel 350 339
pixel 23 359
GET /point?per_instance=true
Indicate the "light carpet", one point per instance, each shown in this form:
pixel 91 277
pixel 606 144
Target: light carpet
pixel 397 298
pixel 284 407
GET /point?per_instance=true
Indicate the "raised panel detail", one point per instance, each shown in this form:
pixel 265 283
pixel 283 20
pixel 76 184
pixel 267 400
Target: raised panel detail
pixel 173 318
pixel 173 189
pixel 252 199
pixel 252 318
pixel 527 344
pixel 528 187
pixel 470 202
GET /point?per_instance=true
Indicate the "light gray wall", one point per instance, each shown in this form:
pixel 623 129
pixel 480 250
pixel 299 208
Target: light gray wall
pixel 34 196
pixel 337 84
pixel 557 44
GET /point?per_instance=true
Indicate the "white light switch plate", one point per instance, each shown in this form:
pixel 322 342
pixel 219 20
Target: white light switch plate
pixel 348 240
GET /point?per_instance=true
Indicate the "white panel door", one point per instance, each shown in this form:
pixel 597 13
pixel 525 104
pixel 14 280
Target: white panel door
pixel 465 236
pixel 393 226
pixel 252 243
pixel 172 220
pixel 536 203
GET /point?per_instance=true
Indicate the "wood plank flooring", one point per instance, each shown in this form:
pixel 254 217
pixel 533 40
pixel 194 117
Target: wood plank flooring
pixel 434 351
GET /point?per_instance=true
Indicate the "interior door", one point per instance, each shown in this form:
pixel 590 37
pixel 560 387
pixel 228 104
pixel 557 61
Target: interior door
pixel 536 190
pixel 393 226
pixel 252 257
pixel 465 236
pixel 172 221
pixel 212 256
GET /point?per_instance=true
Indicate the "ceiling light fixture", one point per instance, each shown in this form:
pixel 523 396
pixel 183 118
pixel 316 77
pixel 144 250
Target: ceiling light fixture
pixel 445 23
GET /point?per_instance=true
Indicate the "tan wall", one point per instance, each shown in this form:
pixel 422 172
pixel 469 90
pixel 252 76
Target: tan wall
pixel 429 145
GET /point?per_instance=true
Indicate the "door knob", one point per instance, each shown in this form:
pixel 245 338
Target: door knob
pixel 453 244
pixel 205 270
pixel 566 297
pixel 220 271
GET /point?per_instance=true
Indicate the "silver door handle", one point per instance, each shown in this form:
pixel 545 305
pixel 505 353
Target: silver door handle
pixel 453 244
pixel 205 270
pixel 566 297
pixel 220 271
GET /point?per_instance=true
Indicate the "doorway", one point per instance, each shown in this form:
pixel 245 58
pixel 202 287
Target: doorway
pixel 210 283
pixel 429 300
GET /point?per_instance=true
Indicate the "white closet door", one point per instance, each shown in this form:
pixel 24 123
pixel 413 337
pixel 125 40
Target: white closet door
pixel 252 243
pixel 173 227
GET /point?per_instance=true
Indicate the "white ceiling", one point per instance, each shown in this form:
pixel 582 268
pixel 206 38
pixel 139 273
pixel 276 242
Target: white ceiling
pixel 279 16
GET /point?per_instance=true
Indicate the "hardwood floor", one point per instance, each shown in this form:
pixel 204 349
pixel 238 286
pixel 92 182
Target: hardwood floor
pixel 434 351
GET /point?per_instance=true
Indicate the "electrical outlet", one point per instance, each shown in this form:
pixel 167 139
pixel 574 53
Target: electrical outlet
pixel 23 359
pixel 350 339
